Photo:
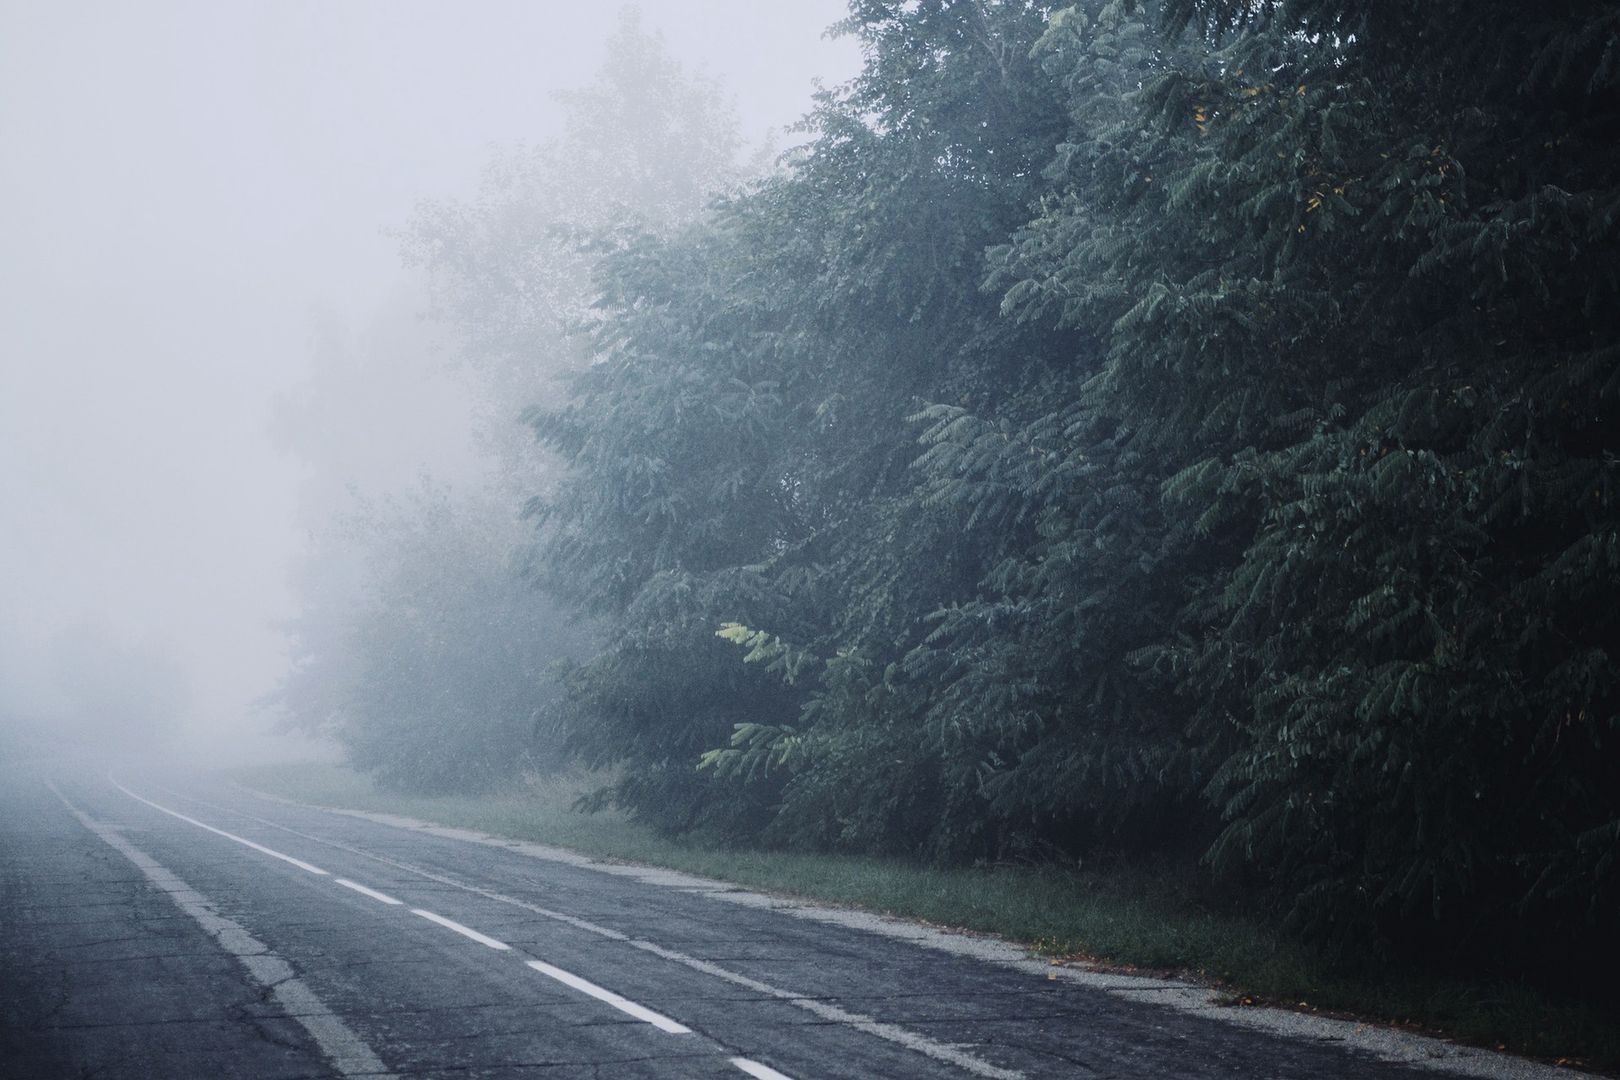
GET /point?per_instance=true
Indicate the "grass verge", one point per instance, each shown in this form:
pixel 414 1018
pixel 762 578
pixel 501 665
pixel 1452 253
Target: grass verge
pixel 1126 919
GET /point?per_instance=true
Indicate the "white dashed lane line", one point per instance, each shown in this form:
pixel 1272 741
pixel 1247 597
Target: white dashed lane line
pixel 910 1040
pixel 624 1005
pixel 373 893
pixel 464 931
pixel 758 1071
pixel 584 986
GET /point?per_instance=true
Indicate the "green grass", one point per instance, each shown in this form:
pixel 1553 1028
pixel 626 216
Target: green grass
pixel 1140 918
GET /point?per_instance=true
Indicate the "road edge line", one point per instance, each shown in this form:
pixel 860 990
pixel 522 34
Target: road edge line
pixel 1383 1042
pixel 348 1053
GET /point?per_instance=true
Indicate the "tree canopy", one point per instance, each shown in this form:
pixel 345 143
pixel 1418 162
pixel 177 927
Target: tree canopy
pixel 1127 427
pixel 1182 428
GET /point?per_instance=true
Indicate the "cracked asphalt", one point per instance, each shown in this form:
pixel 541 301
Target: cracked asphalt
pixel 106 972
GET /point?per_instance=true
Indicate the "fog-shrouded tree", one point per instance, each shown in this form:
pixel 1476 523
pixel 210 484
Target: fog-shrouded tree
pixel 741 452
pixel 1126 427
pixel 438 681
pixel 1173 429
pixel 421 646
pixel 644 147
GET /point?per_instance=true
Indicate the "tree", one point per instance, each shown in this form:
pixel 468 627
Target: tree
pixel 643 149
pixel 422 646
pixel 741 451
pixel 1353 262
pixel 444 679
pixel 1256 487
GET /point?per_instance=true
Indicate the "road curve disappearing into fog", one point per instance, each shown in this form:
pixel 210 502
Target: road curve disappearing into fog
pixel 162 925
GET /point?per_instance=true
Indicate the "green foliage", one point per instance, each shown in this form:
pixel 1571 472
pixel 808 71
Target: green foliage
pixel 1179 427
pixel 1360 294
pixel 744 433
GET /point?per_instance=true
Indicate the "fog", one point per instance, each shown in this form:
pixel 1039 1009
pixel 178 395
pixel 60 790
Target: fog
pixel 201 206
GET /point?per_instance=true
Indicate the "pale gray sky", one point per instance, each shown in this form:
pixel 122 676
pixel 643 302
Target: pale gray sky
pixel 180 185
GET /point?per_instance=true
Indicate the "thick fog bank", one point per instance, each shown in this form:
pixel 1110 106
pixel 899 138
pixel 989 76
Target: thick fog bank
pixel 208 341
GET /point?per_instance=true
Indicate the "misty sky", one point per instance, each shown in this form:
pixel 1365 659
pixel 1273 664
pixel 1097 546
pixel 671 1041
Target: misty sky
pixel 181 186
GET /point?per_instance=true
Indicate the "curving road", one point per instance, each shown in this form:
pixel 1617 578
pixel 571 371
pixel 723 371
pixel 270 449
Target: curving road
pixel 157 924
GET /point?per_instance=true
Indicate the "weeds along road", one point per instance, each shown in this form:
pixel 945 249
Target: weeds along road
pixel 162 925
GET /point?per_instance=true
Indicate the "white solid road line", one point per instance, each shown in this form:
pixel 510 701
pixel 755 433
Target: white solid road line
pixel 347 1051
pixel 661 1022
pixel 373 893
pixel 300 863
pixel 464 931
pixel 758 1071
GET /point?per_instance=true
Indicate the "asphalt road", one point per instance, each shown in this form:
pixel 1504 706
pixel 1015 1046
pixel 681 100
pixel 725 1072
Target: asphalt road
pixel 155 925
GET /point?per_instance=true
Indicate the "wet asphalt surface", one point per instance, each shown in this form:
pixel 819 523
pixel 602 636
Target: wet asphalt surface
pixel 106 970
